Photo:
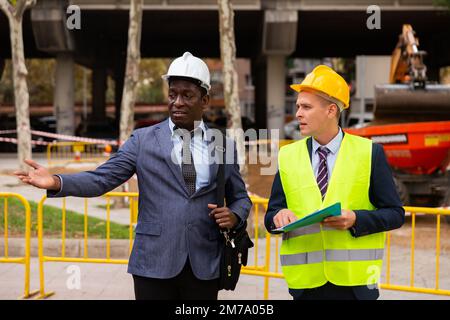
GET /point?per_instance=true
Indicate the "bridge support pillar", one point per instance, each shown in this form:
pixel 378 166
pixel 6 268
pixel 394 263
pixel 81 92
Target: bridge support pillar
pixel 99 85
pixel 278 42
pixel 64 96
pixel 276 83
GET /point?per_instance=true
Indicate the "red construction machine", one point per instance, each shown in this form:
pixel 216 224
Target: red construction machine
pixel 412 122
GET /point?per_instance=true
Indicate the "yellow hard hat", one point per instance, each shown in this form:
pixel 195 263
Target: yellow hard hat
pixel 326 80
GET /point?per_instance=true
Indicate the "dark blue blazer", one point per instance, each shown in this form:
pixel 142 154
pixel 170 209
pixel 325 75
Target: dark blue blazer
pixel 172 225
pixel 388 215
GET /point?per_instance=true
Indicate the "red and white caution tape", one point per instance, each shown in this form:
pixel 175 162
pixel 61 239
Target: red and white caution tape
pixel 72 138
pixel 61 136
pixel 7 131
pixel 35 142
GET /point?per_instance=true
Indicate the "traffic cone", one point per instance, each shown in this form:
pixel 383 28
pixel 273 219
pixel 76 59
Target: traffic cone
pixel 77 156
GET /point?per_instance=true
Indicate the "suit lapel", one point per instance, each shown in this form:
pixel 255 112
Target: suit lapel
pixel 309 145
pixel 163 136
pixel 213 168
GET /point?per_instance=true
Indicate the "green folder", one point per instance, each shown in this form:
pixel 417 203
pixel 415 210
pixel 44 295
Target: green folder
pixel 315 217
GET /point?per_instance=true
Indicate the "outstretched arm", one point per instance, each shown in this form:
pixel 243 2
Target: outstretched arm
pixel 38 177
pixel 106 177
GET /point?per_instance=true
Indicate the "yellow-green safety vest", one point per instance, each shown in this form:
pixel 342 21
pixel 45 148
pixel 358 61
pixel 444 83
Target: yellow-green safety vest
pixel 314 255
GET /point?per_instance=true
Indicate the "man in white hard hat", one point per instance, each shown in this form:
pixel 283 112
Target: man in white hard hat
pixel 177 248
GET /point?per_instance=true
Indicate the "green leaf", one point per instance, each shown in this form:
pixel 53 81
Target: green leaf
pixel 442 3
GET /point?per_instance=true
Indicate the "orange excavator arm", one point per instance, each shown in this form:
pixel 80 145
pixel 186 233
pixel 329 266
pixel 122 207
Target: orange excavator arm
pixel 409 96
pixel 407 60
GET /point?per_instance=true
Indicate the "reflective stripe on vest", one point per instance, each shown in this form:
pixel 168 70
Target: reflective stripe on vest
pixel 301 258
pixel 331 255
pixel 354 255
pixel 314 228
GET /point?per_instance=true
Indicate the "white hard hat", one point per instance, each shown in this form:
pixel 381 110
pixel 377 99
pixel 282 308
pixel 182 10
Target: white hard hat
pixel 190 67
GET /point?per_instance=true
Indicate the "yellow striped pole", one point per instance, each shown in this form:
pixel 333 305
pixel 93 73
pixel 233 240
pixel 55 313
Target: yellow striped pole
pixel 108 214
pixel 86 228
pixel 42 293
pixel 438 247
pixel 388 258
pixel 63 242
pixel 413 225
pixel 5 207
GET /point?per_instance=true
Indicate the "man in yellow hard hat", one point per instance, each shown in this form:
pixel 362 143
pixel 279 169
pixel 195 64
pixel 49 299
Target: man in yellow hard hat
pixel 341 257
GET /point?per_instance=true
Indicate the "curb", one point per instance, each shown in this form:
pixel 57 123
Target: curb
pixel 74 248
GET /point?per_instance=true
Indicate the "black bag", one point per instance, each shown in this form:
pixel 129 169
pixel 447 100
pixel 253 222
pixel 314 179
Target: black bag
pixel 234 256
pixel 236 242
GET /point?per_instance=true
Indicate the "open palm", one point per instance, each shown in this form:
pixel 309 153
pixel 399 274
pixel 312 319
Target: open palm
pixel 38 176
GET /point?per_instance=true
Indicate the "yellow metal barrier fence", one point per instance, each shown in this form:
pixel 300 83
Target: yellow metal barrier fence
pixel 63 153
pixel 412 288
pixel 265 272
pixel 133 196
pixel 25 260
pixel 255 268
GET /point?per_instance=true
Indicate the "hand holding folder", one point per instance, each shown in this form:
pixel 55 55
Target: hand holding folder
pixel 315 217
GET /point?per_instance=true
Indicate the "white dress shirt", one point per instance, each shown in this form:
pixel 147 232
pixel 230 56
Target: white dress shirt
pixel 199 150
pixel 334 145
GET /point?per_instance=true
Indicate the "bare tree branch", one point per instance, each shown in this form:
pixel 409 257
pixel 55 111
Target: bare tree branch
pixel 21 6
pixel 132 70
pixel 230 77
pixel 21 95
pixel 7 8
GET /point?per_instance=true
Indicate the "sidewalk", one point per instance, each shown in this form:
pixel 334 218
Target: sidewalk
pixel 111 282
pixel 108 281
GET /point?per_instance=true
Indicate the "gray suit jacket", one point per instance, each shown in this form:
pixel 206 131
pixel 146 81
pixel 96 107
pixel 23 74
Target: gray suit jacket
pixel 172 225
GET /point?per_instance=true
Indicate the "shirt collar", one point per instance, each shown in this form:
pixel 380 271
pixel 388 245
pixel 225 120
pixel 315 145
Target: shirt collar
pixel 333 145
pixel 201 127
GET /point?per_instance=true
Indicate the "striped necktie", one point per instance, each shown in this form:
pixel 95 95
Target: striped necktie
pixel 187 165
pixel 322 176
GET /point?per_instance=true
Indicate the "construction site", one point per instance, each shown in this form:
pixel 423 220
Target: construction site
pixel 395 57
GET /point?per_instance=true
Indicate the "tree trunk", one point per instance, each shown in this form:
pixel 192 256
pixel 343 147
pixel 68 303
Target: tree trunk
pixel 21 96
pixel 230 78
pixel 132 70
pixel 130 82
pixel 2 67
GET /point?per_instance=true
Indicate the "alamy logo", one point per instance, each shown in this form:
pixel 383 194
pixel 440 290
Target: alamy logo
pixel 374 20
pixel 74 280
pixel 74 20
pixel 374 273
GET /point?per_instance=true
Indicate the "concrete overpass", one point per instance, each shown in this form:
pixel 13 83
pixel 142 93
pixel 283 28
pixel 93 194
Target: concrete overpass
pixel 267 32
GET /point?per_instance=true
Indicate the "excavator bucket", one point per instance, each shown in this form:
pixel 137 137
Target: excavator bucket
pixel 403 102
